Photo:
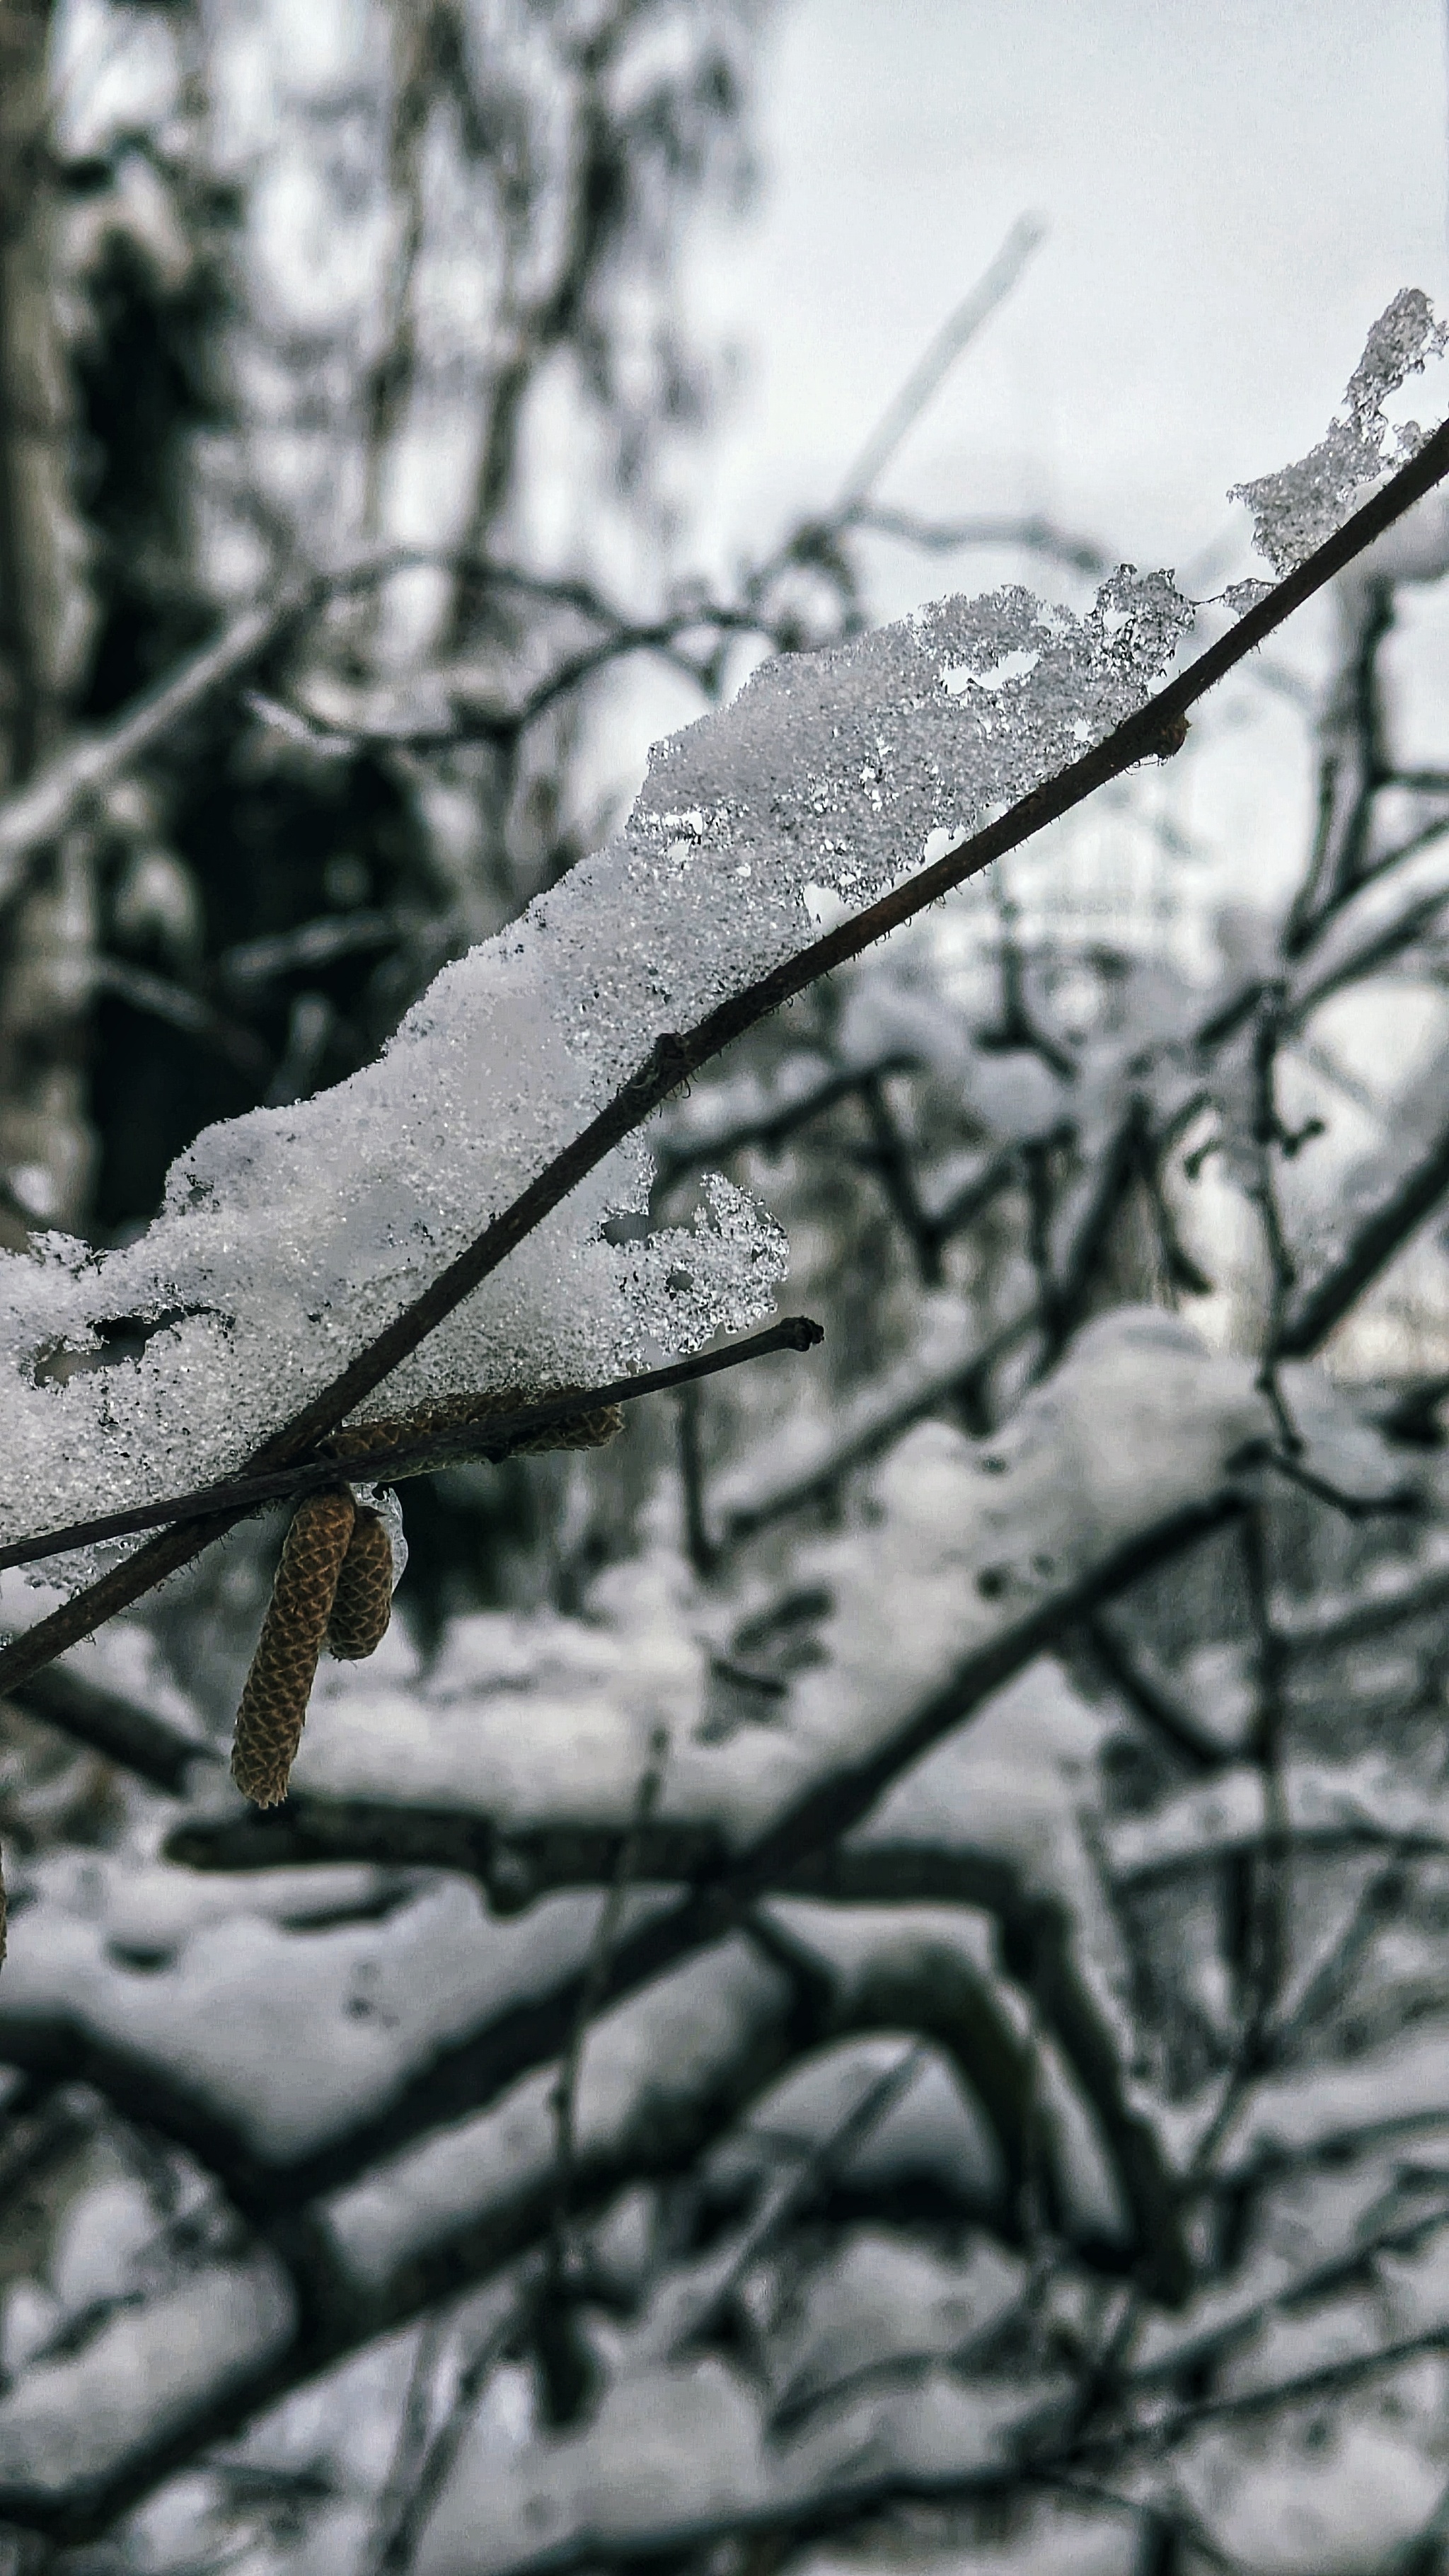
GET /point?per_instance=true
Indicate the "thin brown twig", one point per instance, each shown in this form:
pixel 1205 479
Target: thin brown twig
pixel 409 1457
pixel 1157 728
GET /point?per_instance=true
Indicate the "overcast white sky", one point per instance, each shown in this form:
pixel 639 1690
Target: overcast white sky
pixel 1233 191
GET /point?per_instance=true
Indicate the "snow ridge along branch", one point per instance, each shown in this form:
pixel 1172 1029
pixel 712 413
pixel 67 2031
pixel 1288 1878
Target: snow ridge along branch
pixel 1156 728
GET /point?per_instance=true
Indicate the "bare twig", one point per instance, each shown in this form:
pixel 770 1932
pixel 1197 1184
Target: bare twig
pixel 410 2448
pixel 1270 1876
pixel 411 1457
pixel 1164 2526
pixel 797 2189
pixel 770 1128
pixel 1380 948
pixel 1268 2397
pixel 931 369
pixel 1372 1246
pixel 971 1200
pixel 163 999
pixel 1018 1026
pixel 1151 1697
pixel 1413 1413
pixel 1030 535
pixel 58 794
pixel 318 943
pixel 422 2468
pixel 1354 766
pixel 593 1987
pixel 888 1155
pixel 1354 1507
pixel 61 791
pixel 874 1426
pixel 1334 1973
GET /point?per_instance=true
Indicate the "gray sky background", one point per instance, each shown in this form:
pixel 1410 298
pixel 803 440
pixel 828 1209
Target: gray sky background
pixel 1233 192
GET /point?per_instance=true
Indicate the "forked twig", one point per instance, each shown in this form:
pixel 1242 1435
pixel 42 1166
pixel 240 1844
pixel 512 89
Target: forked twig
pixel 1157 728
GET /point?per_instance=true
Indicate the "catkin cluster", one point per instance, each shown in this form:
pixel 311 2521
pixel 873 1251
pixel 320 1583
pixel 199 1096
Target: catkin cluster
pixel 279 1683
pixel 333 1584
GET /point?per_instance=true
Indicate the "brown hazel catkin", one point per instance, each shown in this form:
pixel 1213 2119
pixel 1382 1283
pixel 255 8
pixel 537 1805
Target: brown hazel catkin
pixel 334 1582
pixel 278 1686
pixel 362 1605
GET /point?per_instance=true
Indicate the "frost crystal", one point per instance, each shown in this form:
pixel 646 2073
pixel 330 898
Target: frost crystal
pixel 288 1238
pixel 1295 509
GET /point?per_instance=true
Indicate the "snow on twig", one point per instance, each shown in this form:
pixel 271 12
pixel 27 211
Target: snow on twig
pixel 896 715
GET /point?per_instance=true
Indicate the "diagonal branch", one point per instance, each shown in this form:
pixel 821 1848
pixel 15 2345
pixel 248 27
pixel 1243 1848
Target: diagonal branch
pixel 1380 1235
pixel 60 792
pixel 1158 728
pixel 906 407
pixel 65 787
pixel 123 1729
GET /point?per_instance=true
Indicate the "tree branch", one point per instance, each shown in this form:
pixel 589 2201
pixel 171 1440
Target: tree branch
pixel 107 1722
pixel 42 811
pixel 391 1461
pixel 906 407
pixel 1382 1233
pixel 1157 728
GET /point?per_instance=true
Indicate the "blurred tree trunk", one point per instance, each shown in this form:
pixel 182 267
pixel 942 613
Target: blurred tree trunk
pixel 46 940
